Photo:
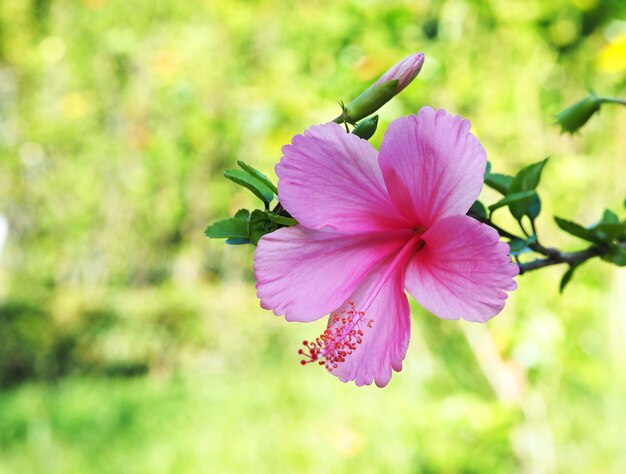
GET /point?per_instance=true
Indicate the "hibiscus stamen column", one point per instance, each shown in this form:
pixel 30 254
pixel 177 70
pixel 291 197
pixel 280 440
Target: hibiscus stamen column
pixel 334 344
pixel 345 331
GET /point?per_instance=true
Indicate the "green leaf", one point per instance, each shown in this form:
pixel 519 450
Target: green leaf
pixel 259 225
pixel 610 232
pixel 366 128
pixel 516 245
pixel 242 214
pixel 610 228
pixel 577 230
pixel 244 179
pixel 525 196
pixel 519 246
pixel 477 210
pixel 233 228
pixel 499 182
pixel 282 220
pixel 237 241
pixel 616 255
pixel 567 276
pixel 258 175
pixel 527 179
pixel 534 207
pixel 609 217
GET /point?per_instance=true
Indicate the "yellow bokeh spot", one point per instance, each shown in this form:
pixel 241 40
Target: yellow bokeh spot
pixel 612 57
pixel 167 63
pixel 75 105
pixel 367 68
pixel 52 49
pixel 346 441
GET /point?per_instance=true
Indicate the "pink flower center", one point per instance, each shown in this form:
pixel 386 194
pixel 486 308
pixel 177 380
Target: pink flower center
pixel 345 331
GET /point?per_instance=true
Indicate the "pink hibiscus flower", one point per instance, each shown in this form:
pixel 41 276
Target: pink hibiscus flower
pixel 374 224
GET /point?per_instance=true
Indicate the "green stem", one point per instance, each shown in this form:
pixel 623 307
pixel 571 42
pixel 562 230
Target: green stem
pixel 521 226
pixel 612 100
pixel 571 258
pixel 500 230
pixel 533 227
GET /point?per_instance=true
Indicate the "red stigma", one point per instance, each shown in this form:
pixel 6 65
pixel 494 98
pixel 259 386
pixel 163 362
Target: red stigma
pixel 339 340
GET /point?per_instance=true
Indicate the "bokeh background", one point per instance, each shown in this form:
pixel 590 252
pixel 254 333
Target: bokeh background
pixel 131 343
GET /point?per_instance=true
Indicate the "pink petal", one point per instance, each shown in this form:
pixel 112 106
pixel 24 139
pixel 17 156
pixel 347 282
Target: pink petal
pixel 385 342
pixel 433 166
pixel 328 177
pixel 462 271
pixel 305 274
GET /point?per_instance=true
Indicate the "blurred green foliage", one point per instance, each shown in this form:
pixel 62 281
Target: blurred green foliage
pixel 130 343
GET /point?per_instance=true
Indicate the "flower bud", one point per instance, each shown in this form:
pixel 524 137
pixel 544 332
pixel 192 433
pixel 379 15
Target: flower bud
pixel 379 93
pixel 366 128
pixel 577 115
pixel 403 72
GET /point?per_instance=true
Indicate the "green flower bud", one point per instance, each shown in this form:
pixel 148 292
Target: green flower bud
pixel 366 128
pixel 577 115
pixel 381 92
